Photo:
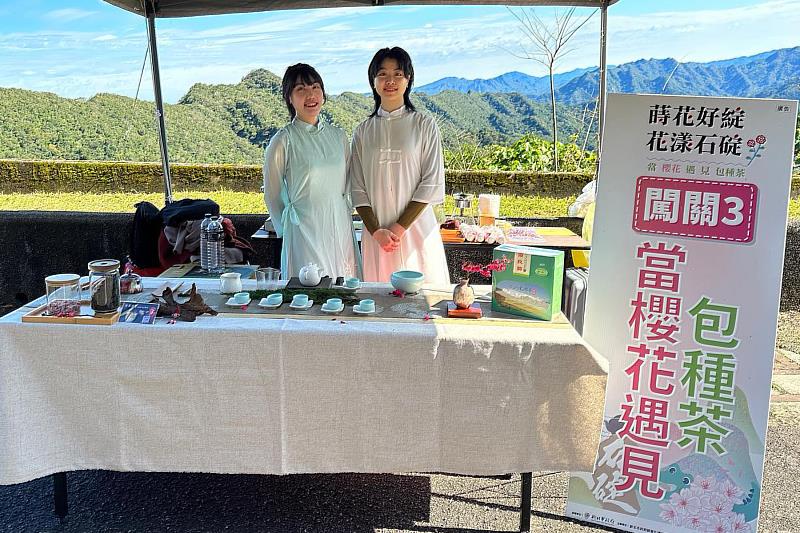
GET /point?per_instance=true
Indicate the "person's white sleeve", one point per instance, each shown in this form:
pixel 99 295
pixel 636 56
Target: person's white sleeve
pixel 355 174
pixel 430 189
pixel 346 148
pixel 274 170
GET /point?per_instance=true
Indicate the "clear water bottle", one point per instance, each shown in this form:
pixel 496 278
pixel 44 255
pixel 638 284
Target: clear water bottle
pixel 204 256
pixel 215 246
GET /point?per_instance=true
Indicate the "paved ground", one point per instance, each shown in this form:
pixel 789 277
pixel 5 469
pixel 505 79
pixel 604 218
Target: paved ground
pixel 138 502
pixel 786 377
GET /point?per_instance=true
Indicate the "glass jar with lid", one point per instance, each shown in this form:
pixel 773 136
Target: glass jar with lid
pixel 63 295
pixel 104 285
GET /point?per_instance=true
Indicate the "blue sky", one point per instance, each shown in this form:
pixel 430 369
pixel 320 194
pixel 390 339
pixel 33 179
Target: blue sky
pixel 77 48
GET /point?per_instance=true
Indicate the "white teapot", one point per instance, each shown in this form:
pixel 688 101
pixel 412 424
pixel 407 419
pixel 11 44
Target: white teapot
pixel 311 274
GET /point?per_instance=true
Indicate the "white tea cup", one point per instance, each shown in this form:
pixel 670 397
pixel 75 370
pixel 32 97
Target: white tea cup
pixel 230 282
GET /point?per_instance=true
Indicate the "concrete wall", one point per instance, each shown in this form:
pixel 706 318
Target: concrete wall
pixel 40 243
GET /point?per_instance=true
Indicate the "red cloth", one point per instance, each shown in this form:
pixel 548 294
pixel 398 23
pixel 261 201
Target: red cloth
pixel 148 272
pixel 234 241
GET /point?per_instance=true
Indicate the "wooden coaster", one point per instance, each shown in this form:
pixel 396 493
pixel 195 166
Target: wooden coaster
pixel 474 311
pixel 37 315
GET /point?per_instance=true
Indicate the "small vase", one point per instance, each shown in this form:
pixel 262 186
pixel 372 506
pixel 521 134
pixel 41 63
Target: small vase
pixel 463 294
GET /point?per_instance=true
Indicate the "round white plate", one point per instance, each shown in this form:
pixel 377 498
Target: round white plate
pixel 325 309
pixel 233 303
pixel 263 304
pixel 302 307
pixel 357 310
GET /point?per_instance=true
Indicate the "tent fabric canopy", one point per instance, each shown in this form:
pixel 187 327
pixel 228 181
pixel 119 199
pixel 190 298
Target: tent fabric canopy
pixel 192 8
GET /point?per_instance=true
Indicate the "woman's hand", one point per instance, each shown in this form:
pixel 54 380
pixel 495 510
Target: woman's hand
pixel 386 239
pixel 398 230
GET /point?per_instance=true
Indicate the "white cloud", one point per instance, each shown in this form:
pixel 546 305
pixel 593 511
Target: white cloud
pixel 269 23
pixel 68 15
pixel 705 35
pixel 464 42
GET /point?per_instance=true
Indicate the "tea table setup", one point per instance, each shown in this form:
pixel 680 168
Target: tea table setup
pixel 261 389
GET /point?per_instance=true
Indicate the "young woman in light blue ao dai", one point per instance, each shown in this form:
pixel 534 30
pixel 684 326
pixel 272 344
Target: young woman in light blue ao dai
pixel 305 182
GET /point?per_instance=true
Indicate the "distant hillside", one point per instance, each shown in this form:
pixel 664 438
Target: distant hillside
pixel 232 123
pixel 37 125
pixel 768 74
pixel 773 74
pixel 510 82
pixel 254 110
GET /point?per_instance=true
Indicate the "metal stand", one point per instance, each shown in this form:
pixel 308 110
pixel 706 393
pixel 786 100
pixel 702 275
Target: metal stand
pixel 150 11
pixel 525 503
pixel 60 495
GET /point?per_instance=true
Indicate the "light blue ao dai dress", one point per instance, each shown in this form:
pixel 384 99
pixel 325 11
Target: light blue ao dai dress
pixel 307 194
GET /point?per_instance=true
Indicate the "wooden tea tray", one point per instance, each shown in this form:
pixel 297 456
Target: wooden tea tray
pixel 37 315
pixel 324 283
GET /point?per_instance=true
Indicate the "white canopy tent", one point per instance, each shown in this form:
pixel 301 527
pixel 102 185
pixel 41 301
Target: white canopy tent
pixel 153 9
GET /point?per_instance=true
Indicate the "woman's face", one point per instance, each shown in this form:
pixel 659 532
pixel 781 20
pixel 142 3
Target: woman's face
pixel 307 100
pixel 390 83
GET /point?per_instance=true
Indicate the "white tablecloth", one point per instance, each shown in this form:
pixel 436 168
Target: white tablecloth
pixel 256 395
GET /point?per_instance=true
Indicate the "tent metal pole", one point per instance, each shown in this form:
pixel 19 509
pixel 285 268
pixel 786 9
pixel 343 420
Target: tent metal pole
pixel 602 97
pixel 162 129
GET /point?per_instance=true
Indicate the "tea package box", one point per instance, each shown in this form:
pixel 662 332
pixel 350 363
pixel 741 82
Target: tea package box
pixel 531 283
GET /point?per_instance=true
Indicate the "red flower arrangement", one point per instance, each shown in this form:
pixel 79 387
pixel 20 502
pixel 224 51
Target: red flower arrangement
pixel 756 146
pixel 496 265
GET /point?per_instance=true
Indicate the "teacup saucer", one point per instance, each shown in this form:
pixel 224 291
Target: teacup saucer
pixel 233 303
pixel 302 307
pixel 333 311
pixel 346 288
pixel 266 305
pixel 357 310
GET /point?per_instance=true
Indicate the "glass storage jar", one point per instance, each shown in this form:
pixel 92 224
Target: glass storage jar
pixel 63 294
pixel 104 285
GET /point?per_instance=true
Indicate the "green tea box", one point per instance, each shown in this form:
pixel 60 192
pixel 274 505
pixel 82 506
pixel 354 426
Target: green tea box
pixel 530 284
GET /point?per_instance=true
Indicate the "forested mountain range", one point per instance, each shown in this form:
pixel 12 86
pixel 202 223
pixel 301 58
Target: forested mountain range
pixel 231 123
pixel 773 74
pixel 510 82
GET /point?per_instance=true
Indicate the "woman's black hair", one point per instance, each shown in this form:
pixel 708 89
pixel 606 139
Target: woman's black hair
pixel 299 73
pixel 403 61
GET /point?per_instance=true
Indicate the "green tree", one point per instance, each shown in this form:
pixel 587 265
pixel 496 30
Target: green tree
pixel 528 153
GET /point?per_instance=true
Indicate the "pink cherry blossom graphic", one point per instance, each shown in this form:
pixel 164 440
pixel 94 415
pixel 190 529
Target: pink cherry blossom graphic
pixel 707 505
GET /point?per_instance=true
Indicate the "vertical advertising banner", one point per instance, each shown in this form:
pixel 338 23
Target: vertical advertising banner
pixel 687 259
